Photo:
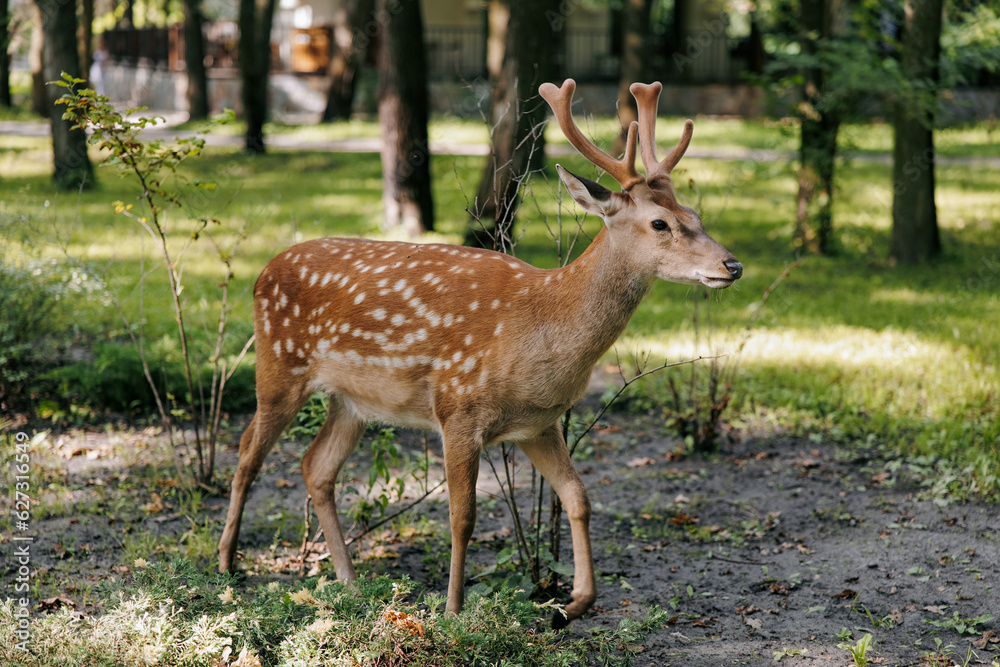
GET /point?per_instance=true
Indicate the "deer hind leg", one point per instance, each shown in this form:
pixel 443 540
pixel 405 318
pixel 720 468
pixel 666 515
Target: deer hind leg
pixel 549 454
pixel 336 440
pixel 461 465
pixel 274 412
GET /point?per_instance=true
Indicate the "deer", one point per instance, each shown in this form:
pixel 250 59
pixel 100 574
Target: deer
pixel 474 344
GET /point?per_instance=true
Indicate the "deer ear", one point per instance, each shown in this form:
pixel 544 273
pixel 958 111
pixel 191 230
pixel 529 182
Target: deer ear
pixel 592 197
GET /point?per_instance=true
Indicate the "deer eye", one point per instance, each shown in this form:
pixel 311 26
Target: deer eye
pixel 658 225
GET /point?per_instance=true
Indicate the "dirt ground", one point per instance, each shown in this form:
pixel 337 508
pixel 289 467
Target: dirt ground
pixel 764 552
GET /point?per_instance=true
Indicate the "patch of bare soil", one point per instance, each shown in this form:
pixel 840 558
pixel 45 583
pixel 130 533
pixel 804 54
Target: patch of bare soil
pixel 778 545
pixel 766 551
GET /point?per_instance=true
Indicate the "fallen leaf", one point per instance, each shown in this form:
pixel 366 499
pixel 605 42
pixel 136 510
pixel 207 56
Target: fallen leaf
pixel 285 484
pixel 155 505
pixel 989 637
pixel 683 519
pixel 494 535
pixel 846 594
pixel 934 610
pixel 673 619
pixel 640 462
pixel 778 589
pixel 407 622
pixel 51 604
pixel 754 623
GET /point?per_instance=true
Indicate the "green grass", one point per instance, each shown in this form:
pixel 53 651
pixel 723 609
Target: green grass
pixel 171 614
pixel 849 346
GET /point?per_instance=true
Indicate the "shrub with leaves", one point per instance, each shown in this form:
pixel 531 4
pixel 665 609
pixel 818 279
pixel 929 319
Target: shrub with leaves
pixel 150 164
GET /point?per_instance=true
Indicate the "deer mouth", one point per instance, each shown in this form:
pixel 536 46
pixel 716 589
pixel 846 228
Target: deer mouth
pixel 716 282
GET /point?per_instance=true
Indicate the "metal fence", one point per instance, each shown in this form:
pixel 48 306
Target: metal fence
pixel 453 52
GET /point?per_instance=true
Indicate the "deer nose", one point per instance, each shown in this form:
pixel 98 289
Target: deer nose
pixel 734 267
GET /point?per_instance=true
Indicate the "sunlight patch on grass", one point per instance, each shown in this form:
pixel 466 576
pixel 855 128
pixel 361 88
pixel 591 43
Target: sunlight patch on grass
pixel 904 295
pixel 890 369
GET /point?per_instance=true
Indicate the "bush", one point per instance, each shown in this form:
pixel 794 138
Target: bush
pixel 27 299
pixel 114 381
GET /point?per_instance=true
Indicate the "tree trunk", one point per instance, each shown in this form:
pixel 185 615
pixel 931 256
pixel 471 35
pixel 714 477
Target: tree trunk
pixel 402 114
pixel 255 19
pixel 915 236
pixel 194 61
pixel 86 38
pixel 635 29
pixel 5 99
pixel 818 147
pixel 518 117
pixel 349 44
pixel 72 168
pixel 39 94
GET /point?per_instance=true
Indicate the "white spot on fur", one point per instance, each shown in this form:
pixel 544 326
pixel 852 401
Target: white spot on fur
pixel 378 313
pixel 496 332
pixel 359 298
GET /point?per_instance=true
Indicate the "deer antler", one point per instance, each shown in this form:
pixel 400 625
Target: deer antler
pixel 647 97
pixel 561 100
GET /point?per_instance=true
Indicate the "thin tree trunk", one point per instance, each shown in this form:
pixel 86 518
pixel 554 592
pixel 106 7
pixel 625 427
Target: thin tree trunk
pixel 915 236
pixel 5 99
pixel 72 168
pixel 349 44
pixel 518 114
pixel 635 29
pixel 402 114
pixel 255 20
pixel 194 61
pixel 818 147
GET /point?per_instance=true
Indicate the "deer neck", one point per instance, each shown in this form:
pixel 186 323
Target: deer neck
pixel 598 294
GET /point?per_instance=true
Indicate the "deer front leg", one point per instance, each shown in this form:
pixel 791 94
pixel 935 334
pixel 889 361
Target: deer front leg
pixel 549 454
pixel 461 464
